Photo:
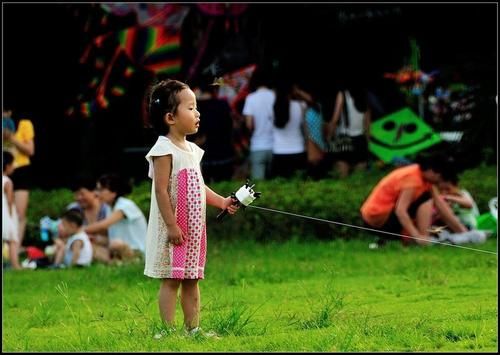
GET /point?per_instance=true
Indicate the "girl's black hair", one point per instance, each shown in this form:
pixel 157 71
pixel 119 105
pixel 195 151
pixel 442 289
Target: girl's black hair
pixel 83 182
pixel 7 159
pixel 452 178
pixel 73 215
pixel 115 183
pixel 282 103
pixel 163 98
pixel 438 162
pixel 358 92
pixel 260 77
pixel 360 98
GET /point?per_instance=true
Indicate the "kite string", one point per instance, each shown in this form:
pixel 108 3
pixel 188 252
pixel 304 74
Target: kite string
pixel 368 229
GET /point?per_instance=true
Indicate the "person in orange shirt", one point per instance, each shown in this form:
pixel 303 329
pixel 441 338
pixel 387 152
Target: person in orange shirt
pixel 402 202
pixel 21 144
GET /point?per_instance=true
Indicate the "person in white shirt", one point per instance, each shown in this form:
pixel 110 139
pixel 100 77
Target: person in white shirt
pixel 351 117
pixel 259 117
pixel 289 148
pixel 10 233
pixel 126 224
pixel 93 210
pixel 75 250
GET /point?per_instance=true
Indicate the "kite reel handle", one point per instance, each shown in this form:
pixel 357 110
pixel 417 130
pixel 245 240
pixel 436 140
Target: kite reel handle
pixel 221 215
pixel 243 197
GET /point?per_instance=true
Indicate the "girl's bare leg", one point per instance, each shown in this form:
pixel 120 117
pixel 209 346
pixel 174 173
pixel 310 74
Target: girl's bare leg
pixel 424 219
pixel 59 251
pixel 13 255
pixel 21 198
pixel 190 302
pixel 101 253
pixel 343 169
pixel 361 166
pixel 167 300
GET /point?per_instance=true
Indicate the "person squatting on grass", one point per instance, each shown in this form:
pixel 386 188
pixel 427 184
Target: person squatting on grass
pixel 176 238
pixel 403 201
pixel 74 247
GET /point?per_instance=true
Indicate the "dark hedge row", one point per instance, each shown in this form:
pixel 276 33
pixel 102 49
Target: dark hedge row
pixel 329 199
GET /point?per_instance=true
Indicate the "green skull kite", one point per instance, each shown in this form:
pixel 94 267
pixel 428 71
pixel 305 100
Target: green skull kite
pixel 400 134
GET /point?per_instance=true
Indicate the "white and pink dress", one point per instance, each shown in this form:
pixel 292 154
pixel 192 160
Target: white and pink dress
pixel 187 195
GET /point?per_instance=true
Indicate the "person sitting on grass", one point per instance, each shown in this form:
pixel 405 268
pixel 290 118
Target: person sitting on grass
pixel 460 201
pixel 75 250
pixel 126 225
pixel 93 210
pixel 466 210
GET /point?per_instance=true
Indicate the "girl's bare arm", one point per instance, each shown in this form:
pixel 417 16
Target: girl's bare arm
pixel 162 171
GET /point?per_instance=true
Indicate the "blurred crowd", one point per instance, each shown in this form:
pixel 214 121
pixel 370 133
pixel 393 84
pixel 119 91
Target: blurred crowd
pixel 282 128
pixel 274 128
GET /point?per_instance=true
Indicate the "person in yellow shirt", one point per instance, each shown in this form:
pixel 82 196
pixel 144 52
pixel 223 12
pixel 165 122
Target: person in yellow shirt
pixel 21 144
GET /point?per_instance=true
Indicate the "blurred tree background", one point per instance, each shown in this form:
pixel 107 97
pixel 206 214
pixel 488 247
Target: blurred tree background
pixel 316 44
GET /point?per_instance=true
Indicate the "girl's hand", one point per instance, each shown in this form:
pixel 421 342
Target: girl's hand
pixel 175 235
pixel 228 204
pixel 449 198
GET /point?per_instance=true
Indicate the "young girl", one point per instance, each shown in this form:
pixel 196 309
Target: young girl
pixel 176 237
pixel 9 214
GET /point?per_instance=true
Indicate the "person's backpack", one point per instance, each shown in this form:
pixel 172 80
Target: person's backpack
pixel 342 142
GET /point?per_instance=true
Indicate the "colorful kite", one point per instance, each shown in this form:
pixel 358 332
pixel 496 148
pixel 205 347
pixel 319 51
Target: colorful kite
pixel 400 134
pixel 151 14
pixel 234 87
pixel 408 76
pixel 151 48
pixel 222 9
pixel 233 84
pixel 115 56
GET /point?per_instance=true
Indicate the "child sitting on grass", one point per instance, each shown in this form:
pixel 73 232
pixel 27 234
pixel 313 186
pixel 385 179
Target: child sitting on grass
pixel 75 250
pixel 460 201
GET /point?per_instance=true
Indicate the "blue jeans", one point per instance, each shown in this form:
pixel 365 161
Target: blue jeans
pixel 260 163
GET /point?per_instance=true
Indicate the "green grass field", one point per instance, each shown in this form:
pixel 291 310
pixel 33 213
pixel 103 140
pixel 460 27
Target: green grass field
pixel 333 296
